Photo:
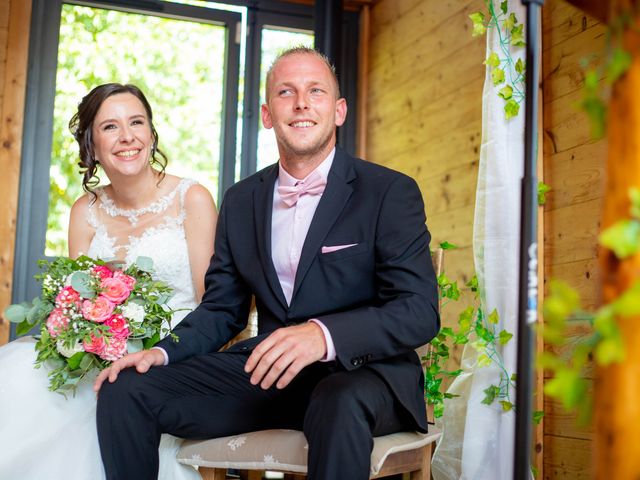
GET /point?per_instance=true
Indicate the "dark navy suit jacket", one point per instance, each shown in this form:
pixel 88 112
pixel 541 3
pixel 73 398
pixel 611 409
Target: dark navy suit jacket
pixel 378 298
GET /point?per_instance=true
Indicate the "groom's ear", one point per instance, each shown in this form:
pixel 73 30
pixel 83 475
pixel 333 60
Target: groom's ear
pixel 266 116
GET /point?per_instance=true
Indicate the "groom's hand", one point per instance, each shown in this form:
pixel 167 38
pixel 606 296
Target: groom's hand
pixel 284 353
pixel 142 360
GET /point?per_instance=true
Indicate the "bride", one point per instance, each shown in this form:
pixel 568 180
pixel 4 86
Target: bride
pixel 143 211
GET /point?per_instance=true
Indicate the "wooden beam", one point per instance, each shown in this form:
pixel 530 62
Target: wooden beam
pixel 11 123
pixel 363 83
pixel 598 9
pixel 617 411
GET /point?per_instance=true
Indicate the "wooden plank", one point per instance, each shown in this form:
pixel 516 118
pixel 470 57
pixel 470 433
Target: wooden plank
pixel 567 458
pixel 363 82
pixel 11 120
pixel 560 422
pixel 583 275
pixel 562 21
pixel 576 175
pixel 576 331
pixel 563 62
pixel 571 233
pixel 454 226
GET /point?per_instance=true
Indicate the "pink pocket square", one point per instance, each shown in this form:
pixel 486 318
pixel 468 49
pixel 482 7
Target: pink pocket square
pixel 335 248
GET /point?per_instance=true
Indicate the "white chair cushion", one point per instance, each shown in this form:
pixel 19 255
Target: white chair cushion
pixel 285 450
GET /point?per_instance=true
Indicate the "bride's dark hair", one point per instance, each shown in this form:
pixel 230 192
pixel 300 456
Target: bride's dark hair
pixel 81 125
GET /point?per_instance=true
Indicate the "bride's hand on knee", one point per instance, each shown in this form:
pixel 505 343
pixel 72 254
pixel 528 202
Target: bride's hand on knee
pixel 142 361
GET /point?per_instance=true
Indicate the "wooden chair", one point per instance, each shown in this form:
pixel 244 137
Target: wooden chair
pixel 286 450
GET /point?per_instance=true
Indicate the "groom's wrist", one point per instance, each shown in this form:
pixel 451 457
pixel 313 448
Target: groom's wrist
pixel 164 354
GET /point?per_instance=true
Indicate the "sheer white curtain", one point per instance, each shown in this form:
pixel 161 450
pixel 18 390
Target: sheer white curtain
pixel 478 439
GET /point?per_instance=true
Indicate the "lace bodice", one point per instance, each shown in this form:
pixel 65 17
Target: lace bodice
pixel 157 232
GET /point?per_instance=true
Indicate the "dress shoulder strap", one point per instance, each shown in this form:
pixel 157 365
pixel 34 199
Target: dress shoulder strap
pixel 183 187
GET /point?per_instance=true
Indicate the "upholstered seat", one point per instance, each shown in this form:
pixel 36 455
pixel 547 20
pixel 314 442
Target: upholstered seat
pixel 286 450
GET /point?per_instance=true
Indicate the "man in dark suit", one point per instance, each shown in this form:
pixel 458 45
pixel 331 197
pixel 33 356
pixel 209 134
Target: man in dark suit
pixel 336 253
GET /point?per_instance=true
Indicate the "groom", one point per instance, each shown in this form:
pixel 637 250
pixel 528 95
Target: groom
pixel 336 253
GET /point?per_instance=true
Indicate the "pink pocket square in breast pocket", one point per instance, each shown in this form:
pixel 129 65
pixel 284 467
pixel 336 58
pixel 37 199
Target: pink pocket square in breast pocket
pixel 335 248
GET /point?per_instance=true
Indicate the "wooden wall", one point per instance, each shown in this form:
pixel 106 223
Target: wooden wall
pixel 574 166
pixel 424 118
pixel 15 17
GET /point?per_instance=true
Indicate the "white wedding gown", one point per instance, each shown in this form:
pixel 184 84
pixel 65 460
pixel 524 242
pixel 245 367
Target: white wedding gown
pixel 42 434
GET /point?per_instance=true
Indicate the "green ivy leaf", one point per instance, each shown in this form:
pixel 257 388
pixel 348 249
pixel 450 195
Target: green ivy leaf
pixel 493 317
pixel 447 246
pixel 506 406
pixel 511 108
pixel 473 283
pixel 520 66
pixel 537 416
pixel 623 237
pixel 513 377
pixel 497 75
pixel 510 22
pixel 493 60
pixel 609 350
pixel 517 36
pixel 490 394
pixel 506 92
pixel 465 318
pixel 618 64
pixel 543 189
pixel 503 6
pixel 568 387
pixel 504 337
pixel 478 24
pixel 628 303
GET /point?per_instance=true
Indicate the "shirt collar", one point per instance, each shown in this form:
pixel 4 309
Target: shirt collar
pixel 284 179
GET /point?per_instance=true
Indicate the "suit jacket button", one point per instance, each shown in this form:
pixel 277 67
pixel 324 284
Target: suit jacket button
pixel 354 362
pixel 244 348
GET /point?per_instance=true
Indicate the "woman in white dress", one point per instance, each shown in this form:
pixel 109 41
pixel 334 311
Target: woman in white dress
pixel 143 211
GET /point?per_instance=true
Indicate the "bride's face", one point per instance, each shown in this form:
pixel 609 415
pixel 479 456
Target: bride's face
pixel 122 137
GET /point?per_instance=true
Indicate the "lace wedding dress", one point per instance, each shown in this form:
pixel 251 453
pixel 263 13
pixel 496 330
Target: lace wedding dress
pixel 42 434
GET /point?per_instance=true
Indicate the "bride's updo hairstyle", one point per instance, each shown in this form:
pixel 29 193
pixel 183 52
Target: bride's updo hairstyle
pixel 81 125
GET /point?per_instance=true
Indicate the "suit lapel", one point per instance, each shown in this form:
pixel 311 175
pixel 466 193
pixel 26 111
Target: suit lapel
pixel 263 209
pixel 333 201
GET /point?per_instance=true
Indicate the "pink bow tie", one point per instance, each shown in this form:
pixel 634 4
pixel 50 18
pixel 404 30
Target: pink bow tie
pixel 313 185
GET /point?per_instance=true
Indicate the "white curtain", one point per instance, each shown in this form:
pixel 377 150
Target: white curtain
pixel 478 439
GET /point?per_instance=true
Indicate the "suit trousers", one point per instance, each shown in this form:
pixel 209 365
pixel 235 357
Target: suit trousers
pixel 210 396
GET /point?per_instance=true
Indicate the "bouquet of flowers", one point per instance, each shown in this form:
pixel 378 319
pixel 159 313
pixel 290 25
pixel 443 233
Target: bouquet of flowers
pixel 91 313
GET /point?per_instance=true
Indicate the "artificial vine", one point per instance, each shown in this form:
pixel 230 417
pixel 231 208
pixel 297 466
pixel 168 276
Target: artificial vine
pixel 503 69
pixel 482 333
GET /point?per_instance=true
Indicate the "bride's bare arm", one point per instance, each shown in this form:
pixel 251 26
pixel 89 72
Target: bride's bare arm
pixel 80 232
pixel 200 227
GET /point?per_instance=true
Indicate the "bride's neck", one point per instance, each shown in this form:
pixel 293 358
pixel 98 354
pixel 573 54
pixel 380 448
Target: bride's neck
pixel 136 192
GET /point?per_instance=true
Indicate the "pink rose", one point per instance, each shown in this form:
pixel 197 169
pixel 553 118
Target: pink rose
pixel 101 272
pixel 114 349
pixel 67 297
pixel 118 326
pixel 128 280
pixel 57 322
pixel 99 310
pixel 94 345
pixel 115 290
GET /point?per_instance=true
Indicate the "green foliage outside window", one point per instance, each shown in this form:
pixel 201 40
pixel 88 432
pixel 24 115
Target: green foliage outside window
pixel 179 66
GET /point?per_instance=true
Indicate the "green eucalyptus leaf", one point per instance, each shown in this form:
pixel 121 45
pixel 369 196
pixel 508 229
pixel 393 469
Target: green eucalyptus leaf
pixel 16 313
pixel 623 238
pixel 81 282
pixel 134 346
pixel 144 263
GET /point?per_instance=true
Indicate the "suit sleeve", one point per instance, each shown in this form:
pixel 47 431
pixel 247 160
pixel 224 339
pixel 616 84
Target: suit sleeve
pixel 405 313
pixel 224 309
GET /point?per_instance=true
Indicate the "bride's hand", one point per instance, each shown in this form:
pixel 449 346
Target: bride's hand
pixel 142 360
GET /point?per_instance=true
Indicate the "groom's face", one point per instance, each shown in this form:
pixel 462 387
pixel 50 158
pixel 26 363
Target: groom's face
pixel 302 106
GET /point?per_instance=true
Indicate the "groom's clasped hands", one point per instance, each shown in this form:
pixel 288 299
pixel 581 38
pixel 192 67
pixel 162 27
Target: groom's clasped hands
pixel 277 359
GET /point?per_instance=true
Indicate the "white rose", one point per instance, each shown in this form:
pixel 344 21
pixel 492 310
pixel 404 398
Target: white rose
pixel 69 352
pixel 133 312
